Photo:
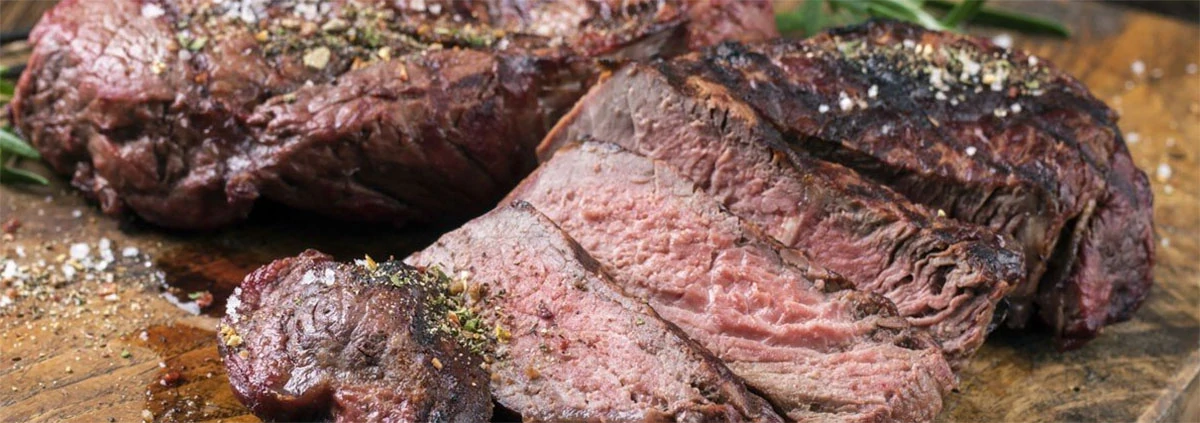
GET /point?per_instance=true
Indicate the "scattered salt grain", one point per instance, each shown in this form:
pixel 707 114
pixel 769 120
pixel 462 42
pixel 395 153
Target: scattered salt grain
pixel 232 305
pixel 151 11
pixel 308 278
pixel 1156 73
pixel 873 91
pixel 1132 137
pixel 845 102
pixel 1163 173
pixel 20 251
pixel 1166 242
pixel 822 108
pixel 1191 68
pixel 971 151
pixel 1003 40
pixel 68 271
pixel 1137 67
pixel 77 213
pixel 1016 108
pixel 129 252
pixel 10 270
pixel 80 251
pixel 1168 189
pixel 1033 61
pixel 328 277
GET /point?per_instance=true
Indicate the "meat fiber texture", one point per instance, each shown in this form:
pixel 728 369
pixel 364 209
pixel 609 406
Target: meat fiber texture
pixel 576 347
pixel 306 338
pixel 817 351
pixel 188 112
pixel 944 276
pixel 987 135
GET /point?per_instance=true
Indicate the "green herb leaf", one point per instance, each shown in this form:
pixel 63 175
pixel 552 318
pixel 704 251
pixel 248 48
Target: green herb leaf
pixel 10 143
pixel 197 44
pixel 962 12
pixel 10 175
pixel 1009 20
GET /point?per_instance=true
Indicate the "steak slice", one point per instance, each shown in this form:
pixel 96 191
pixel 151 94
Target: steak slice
pixel 991 136
pixel 817 351
pixel 187 112
pixel 306 338
pixel 572 345
pixel 941 275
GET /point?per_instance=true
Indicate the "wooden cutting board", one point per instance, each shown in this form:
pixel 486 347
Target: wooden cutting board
pixel 90 350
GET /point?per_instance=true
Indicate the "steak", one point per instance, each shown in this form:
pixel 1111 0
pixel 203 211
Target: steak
pixel 817 351
pixel 941 275
pixel 571 345
pixel 188 112
pixel 990 136
pixel 306 338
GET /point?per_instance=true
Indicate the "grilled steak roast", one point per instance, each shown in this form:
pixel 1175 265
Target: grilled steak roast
pixel 988 135
pixel 817 351
pixel 187 112
pixel 572 346
pixel 942 275
pixel 306 338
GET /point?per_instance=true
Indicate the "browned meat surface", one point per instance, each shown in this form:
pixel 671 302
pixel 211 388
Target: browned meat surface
pixel 818 351
pixel 988 135
pixel 187 112
pixel 942 275
pixel 306 338
pixel 572 346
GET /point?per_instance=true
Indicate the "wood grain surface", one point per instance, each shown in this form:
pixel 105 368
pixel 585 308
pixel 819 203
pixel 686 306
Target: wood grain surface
pixel 88 350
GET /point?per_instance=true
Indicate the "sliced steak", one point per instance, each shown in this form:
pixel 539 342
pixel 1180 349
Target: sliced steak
pixel 573 346
pixel 991 136
pixel 817 351
pixel 942 275
pixel 306 338
pixel 187 112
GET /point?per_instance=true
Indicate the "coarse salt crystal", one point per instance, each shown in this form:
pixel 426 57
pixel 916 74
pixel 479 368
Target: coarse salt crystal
pixel 1016 108
pixel 151 11
pixel 77 213
pixel 129 252
pixel 1132 137
pixel 822 108
pixel 10 270
pixel 873 91
pixel 1003 40
pixel 232 305
pixel 1164 172
pixel 328 278
pixel 1138 67
pixel 20 251
pixel 845 102
pixel 80 251
pixel 1166 242
pixel 308 278
pixel 971 151
pixel 1033 61
pixel 68 271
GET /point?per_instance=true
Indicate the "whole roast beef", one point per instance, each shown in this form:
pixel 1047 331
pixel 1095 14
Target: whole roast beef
pixel 187 112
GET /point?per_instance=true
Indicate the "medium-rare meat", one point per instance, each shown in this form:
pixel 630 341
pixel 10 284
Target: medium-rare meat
pixel 818 351
pixel 573 346
pixel 989 135
pixel 942 275
pixel 187 112
pixel 306 338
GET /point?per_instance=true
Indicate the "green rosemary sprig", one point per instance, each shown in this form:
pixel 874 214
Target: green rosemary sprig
pixel 944 15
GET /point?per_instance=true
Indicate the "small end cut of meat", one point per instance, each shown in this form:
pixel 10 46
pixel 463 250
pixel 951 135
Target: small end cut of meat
pixel 308 338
